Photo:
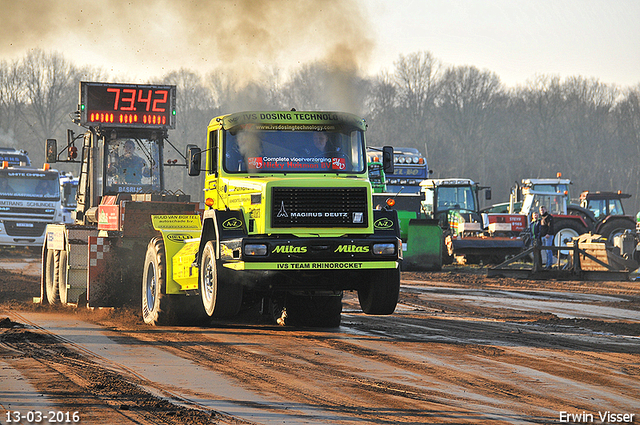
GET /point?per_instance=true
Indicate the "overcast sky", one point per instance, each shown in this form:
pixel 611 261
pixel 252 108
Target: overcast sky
pixel 516 39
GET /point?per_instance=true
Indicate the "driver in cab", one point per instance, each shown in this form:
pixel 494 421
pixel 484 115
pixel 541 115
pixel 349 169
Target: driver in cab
pixel 129 168
pixel 321 147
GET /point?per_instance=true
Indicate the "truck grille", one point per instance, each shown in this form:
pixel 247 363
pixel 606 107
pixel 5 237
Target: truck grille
pixel 14 228
pixel 319 207
pixel 45 214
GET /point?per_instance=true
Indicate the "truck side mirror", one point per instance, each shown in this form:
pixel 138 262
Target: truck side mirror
pixel 194 158
pixel 51 151
pixel 387 159
pixel 487 194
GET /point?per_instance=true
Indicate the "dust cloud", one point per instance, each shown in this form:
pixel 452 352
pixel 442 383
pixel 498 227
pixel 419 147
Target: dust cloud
pixel 248 39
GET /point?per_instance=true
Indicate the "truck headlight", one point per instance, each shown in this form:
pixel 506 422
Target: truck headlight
pixel 384 248
pixel 255 249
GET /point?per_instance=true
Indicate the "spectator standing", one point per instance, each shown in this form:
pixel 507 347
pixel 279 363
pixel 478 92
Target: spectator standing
pixel 534 227
pixel 546 234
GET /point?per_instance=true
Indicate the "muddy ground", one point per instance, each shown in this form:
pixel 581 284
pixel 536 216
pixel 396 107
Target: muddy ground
pixel 461 348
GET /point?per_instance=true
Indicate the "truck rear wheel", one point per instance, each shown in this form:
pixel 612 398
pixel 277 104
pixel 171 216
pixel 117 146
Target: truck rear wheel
pixel 220 297
pixel 62 278
pixel 380 294
pixel 51 276
pixel 156 309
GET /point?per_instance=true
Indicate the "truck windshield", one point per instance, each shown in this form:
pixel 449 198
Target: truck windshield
pixel 132 166
pixel 456 197
pixel 29 184
pixel 276 151
pixel 69 191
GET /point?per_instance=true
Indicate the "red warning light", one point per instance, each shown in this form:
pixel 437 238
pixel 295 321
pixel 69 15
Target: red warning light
pixel 72 153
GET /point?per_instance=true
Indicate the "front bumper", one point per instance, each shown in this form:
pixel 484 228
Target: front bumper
pixel 312 265
pixel 311 254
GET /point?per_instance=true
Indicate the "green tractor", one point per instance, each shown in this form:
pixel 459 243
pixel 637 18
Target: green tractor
pixel 489 238
pixel 421 237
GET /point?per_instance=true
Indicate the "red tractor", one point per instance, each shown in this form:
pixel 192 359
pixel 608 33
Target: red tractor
pixel 606 214
pixel 598 212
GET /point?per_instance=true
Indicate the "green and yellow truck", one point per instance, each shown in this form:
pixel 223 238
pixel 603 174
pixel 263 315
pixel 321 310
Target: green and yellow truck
pixel 289 220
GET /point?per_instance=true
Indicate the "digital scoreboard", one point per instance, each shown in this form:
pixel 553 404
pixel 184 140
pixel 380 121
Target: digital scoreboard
pixel 127 105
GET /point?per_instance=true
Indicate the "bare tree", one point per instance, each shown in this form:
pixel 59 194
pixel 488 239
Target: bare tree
pixel 416 80
pixel 589 131
pixel 50 90
pixel 317 86
pixel 542 103
pixel 627 118
pixel 12 103
pixel 231 94
pixel 473 126
pixel 383 111
pixel 194 111
pixel 50 84
pixel 467 101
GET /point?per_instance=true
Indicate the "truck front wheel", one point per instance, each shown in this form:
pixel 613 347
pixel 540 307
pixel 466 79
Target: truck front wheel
pixel 379 294
pixel 220 297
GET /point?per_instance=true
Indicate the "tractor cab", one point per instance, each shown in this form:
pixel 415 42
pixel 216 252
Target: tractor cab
pixel 556 203
pixel 131 165
pixel 115 163
pixel 451 201
pixel 121 151
pixel 603 204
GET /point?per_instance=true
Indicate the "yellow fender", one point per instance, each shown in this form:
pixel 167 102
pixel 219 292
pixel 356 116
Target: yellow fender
pixel 181 236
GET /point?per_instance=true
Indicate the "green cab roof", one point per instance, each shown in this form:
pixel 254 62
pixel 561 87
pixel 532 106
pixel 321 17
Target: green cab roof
pixel 297 120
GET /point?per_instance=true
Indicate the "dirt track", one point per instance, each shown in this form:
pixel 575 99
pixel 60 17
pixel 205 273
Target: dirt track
pixel 460 348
